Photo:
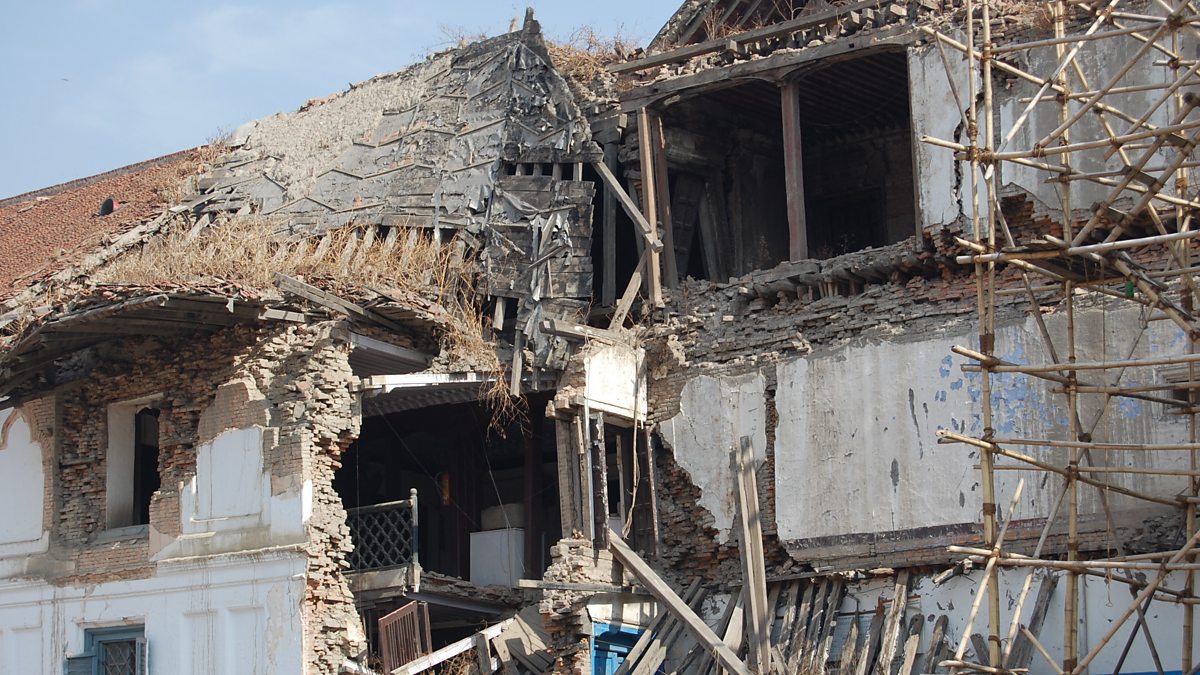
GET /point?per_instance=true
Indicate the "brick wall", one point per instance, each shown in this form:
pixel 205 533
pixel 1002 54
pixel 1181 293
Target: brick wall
pixel 293 380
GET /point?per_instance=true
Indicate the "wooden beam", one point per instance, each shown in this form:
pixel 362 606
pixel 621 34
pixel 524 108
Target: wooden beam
pixel 568 478
pixel 580 333
pixel 631 209
pixel 674 604
pixel 538 584
pixel 754 585
pixel 793 167
pixel 894 624
pixel 774 66
pixel 662 190
pixel 720 44
pixel 608 232
pixel 631 290
pixel 649 202
pixel 656 631
pixel 661 643
pixel 331 301
pixel 451 650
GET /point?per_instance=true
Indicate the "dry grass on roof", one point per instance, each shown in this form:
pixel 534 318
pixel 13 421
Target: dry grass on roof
pixel 249 251
pixel 583 57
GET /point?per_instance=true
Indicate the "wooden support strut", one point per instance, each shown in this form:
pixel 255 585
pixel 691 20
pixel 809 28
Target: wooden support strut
pixel 754 571
pixel 675 605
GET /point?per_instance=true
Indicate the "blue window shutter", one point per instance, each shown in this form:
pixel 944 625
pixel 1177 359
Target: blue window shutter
pixel 81 665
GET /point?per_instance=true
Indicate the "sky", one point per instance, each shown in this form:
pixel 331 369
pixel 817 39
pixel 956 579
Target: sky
pixel 93 85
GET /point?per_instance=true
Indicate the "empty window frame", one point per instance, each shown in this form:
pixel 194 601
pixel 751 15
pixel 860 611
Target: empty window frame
pixel 131 462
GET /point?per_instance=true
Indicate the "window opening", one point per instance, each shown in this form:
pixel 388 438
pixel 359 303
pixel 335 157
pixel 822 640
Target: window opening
pixel 112 651
pixel 146 480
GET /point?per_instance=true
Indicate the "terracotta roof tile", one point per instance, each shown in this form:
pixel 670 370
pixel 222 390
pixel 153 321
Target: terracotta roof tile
pixel 41 232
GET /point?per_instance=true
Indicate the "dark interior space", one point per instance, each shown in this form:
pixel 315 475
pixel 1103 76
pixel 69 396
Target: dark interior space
pixel 145 463
pixel 626 240
pixel 463 470
pixel 726 177
pixel 857 152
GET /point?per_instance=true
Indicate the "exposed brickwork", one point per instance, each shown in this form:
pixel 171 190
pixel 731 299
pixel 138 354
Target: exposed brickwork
pixel 292 380
pixel 573 561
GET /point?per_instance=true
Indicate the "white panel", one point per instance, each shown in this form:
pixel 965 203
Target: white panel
pixel 22 481
pixel 25 650
pixel 497 557
pixel 246 651
pixel 198 646
pixel 229 475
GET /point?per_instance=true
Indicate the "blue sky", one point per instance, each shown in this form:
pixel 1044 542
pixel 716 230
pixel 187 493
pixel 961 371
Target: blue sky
pixel 92 85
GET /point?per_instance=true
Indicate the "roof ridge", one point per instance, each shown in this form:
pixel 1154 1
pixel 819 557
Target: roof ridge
pixel 88 180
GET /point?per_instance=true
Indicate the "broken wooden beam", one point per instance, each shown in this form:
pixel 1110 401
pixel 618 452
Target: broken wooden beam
pixel 331 301
pixel 631 209
pixel 754 572
pixel 674 604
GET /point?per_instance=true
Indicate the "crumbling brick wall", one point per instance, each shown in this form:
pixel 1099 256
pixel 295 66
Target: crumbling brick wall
pixel 294 380
pixel 563 612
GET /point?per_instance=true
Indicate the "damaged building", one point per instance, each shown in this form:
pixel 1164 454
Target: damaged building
pixel 850 337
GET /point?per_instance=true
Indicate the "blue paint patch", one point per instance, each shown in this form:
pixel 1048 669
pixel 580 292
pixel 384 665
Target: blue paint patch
pixel 957 384
pixel 944 370
pixel 1130 408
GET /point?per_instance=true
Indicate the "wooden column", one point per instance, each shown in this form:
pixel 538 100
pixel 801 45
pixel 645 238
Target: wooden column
pixel 662 190
pixel 793 165
pixel 533 469
pixel 608 293
pixel 649 203
pixel 568 477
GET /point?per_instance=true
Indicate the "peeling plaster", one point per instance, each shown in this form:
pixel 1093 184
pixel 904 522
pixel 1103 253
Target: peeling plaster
pixel 714 413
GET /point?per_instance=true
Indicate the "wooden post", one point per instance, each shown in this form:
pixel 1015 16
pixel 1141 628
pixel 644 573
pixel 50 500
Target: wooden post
pixel 662 189
pixel 754 586
pixel 793 166
pixel 608 293
pixel 649 201
pixel 568 478
pixel 532 472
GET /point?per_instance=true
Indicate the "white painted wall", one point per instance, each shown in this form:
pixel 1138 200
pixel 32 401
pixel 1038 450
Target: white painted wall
pixel 616 380
pixel 714 413
pixel 22 487
pixel 236 614
pixel 856 450
pixel 935 113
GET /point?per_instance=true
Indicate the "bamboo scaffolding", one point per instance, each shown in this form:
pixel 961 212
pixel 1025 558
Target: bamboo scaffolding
pixel 1135 194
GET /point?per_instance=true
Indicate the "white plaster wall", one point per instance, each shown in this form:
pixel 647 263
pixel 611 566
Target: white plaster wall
pixel 229 480
pixel 856 450
pixel 714 413
pixel 1045 118
pixel 934 113
pixel 232 504
pixel 235 614
pixel 22 487
pixel 616 380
